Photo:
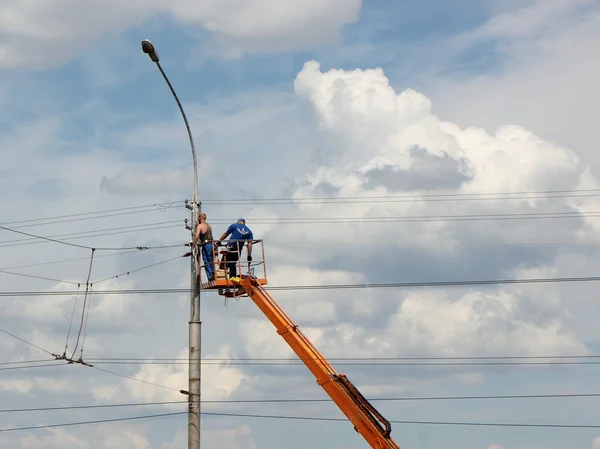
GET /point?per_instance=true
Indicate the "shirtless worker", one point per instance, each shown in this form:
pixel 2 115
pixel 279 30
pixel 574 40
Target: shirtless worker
pixel 204 234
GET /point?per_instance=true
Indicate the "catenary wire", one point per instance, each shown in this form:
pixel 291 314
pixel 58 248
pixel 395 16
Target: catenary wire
pixel 26 342
pixel 78 259
pixel 65 218
pixel 92 232
pixel 39 277
pixel 411 219
pixel 307 400
pixel 13 368
pixel 77 245
pixel 137 269
pixel 156 206
pixel 10 243
pixel 327 286
pixel 302 220
pixel 368 364
pixel 308 418
pixel 128 418
pixel 501 357
pixel 450 423
pixel 92 406
pixel 423 197
pixel 124 376
pixel 25 362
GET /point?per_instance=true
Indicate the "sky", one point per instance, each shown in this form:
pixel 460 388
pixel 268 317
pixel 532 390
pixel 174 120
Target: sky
pixel 365 143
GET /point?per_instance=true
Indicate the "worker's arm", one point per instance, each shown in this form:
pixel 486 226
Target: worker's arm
pixel 249 247
pixel 226 233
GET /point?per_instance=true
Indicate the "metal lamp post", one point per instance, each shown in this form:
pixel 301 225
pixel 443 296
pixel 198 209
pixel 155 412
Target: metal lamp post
pixel 194 322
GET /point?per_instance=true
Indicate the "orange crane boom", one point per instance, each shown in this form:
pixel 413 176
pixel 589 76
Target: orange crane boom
pixel 367 421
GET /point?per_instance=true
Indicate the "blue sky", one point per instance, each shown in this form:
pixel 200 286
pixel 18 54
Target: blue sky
pixel 290 101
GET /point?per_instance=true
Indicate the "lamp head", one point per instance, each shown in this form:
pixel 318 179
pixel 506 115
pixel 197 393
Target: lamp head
pixel 148 48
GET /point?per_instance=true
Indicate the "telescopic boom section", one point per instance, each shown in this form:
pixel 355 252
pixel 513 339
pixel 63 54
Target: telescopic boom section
pixel 366 419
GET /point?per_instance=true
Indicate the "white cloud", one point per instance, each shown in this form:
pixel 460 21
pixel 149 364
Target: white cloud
pixel 54 438
pixel 232 437
pixel 533 82
pixel 125 438
pixel 48 35
pixel 368 134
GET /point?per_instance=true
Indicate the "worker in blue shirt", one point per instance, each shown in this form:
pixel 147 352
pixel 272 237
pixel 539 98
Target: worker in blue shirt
pixel 239 232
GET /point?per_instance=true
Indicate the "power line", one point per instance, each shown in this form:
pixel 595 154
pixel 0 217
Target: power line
pixel 502 357
pixel 93 232
pixel 158 207
pixel 549 194
pixel 369 364
pixel 308 418
pixel 47 426
pixel 413 219
pixel 138 269
pixel 22 242
pixel 26 342
pixel 77 259
pixel 38 277
pixel 94 406
pixel 330 286
pixel 447 423
pixel 286 401
pixel 507 195
pixel 24 362
pixel 301 220
pixel 135 379
pixel 63 242
pixel 12 368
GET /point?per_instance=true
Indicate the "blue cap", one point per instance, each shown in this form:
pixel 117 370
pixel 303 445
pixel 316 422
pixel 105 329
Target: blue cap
pixel 242 219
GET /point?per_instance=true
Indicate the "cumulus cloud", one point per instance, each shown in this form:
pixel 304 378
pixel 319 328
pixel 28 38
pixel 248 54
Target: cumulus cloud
pixel 47 35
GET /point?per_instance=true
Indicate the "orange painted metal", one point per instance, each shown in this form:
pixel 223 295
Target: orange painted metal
pixel 367 421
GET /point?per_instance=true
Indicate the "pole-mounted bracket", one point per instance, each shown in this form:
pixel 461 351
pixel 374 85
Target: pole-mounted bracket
pixel 188 227
pixel 187 204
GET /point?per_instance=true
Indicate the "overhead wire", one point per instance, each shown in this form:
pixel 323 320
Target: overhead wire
pixel 13 368
pixel 489 196
pixel 367 364
pixel 97 421
pixel 97 215
pixel 501 357
pixel 305 400
pixel 310 418
pixel 38 277
pixel 87 287
pixel 124 376
pixel 449 423
pixel 92 406
pixel 21 242
pixel 64 242
pixel 77 259
pixel 93 232
pixel 137 269
pixel 26 342
pixel 25 362
pixel 327 286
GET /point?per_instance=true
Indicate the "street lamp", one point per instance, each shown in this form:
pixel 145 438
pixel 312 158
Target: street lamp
pixel 194 323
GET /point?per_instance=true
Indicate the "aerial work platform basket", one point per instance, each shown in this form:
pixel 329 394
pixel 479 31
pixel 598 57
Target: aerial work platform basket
pixel 226 260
